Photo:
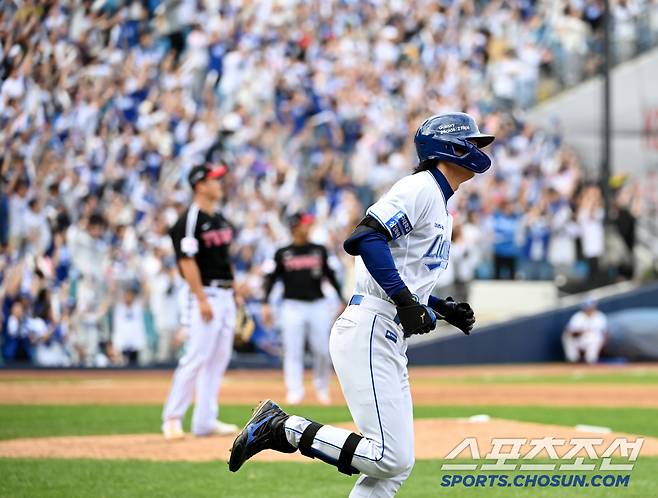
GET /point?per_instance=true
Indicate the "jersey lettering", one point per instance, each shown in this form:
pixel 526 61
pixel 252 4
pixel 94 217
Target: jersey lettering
pixel 302 262
pixel 213 238
pixel 439 252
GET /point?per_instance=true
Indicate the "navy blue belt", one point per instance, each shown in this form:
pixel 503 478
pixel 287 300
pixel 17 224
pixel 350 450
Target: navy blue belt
pixel 356 300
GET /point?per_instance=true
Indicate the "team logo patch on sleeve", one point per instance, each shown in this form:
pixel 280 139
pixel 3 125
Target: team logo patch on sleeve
pixel 189 245
pixel 391 336
pixel 399 224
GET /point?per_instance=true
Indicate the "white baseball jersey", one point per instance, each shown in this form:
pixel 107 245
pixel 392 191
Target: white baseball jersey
pixel 414 213
pixel 595 324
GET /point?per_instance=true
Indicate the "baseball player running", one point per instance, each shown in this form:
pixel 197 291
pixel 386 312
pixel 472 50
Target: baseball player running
pixel 401 247
pixel 201 239
pixel 302 266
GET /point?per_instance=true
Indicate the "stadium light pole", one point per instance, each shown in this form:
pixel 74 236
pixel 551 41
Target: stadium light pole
pixel 606 125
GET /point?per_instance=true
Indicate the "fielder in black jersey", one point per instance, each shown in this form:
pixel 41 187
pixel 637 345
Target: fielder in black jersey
pixel 205 237
pixel 302 267
pixel 201 238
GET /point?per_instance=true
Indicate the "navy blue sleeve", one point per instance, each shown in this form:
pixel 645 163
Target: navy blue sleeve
pixel 433 301
pixel 373 248
pixel 441 306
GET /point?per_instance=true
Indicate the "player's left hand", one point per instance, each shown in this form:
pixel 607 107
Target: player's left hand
pixel 460 315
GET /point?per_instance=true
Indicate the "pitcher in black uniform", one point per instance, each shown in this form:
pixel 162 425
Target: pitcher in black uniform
pixel 302 266
pixel 201 239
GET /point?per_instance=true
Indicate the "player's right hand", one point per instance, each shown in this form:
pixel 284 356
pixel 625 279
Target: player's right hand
pixel 460 315
pixel 206 310
pixel 416 319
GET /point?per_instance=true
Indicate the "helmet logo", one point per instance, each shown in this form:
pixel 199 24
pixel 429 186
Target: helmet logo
pixel 452 128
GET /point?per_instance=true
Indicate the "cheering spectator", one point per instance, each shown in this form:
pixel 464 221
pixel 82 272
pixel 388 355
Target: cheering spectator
pixel 87 246
pixel 163 292
pixel 625 212
pixel 128 327
pixel 564 232
pixel 18 338
pixel 572 33
pixel 506 230
pixel 88 324
pixel 464 258
pixel 36 228
pixel 535 233
pixel 105 106
pixel 590 219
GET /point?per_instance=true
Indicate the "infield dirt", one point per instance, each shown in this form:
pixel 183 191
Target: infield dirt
pixel 249 387
pixel 434 438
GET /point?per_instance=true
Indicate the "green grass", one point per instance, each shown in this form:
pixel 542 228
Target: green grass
pixel 58 420
pixel 622 377
pixel 118 479
pixel 631 420
pixel 579 376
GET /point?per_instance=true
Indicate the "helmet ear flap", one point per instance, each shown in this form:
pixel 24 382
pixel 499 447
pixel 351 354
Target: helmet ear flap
pixel 458 146
pixel 466 154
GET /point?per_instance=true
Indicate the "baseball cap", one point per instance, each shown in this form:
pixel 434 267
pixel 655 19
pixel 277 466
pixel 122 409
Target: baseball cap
pixel 202 172
pixel 588 303
pixel 299 219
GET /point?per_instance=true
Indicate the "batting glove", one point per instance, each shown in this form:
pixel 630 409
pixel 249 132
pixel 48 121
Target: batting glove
pixel 460 315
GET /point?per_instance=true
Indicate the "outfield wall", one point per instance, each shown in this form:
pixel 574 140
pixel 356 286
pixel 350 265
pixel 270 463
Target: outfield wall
pixel 528 339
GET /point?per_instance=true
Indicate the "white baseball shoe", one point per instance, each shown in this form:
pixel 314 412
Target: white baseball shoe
pixel 172 429
pixel 223 429
pixel 323 398
pixel 294 399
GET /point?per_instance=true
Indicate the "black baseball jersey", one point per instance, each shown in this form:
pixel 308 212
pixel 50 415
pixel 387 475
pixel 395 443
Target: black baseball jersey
pixel 206 238
pixel 301 268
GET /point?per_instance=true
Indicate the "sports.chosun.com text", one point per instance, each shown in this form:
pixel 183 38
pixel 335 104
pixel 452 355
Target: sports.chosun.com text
pixel 535 480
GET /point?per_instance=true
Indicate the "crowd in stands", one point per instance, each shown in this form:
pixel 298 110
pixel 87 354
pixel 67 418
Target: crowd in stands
pixel 106 105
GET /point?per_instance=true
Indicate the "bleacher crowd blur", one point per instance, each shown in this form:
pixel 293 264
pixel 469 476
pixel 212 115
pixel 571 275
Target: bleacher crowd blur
pixel 105 105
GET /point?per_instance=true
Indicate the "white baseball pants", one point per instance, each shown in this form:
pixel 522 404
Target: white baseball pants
pixel 588 343
pixel 299 320
pixel 368 350
pixel 207 354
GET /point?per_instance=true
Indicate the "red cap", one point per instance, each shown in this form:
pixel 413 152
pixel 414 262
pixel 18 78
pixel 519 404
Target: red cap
pixel 200 173
pixel 217 171
pixel 306 219
pixel 300 219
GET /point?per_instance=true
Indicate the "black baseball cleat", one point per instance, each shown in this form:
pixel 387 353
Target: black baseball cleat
pixel 264 430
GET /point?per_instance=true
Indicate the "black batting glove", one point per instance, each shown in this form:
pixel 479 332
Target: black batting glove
pixel 460 315
pixel 414 317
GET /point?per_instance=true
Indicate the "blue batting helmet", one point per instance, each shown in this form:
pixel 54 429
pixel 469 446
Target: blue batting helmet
pixel 454 138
